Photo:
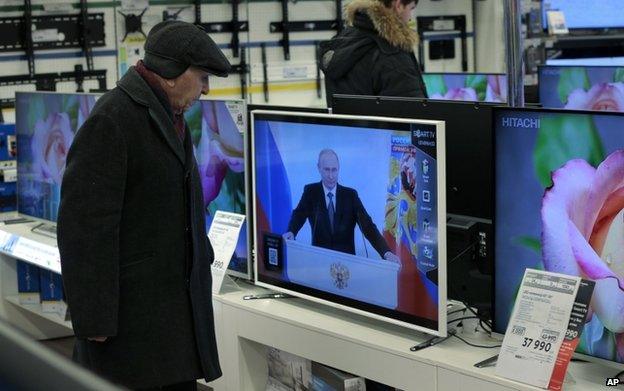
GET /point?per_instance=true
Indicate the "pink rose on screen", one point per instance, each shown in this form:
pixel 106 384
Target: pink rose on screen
pixel 467 94
pixel 583 233
pixel 214 160
pixel 496 90
pixel 601 97
pixel 50 143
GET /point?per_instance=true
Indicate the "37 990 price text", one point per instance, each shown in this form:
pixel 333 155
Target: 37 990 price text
pixel 536 344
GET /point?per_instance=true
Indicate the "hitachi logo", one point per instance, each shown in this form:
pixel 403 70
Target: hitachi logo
pixel 514 122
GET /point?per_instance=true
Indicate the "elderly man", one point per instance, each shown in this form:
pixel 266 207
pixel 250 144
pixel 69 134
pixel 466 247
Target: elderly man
pixel 134 252
pixel 333 211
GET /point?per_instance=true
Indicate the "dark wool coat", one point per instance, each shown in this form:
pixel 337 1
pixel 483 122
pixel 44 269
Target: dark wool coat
pixel 134 252
pixel 372 56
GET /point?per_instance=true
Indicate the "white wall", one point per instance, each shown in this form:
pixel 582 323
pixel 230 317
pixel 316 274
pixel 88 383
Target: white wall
pixel 490 36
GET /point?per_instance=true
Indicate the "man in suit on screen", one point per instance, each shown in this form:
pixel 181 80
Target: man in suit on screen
pixel 333 211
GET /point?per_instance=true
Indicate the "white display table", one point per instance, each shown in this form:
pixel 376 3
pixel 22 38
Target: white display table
pixel 355 344
pixel 41 251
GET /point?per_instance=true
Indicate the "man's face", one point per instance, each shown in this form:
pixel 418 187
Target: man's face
pixel 188 87
pixel 328 168
pixel 405 12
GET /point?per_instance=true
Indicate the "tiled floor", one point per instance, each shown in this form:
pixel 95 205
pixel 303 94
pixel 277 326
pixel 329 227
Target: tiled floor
pixel 65 347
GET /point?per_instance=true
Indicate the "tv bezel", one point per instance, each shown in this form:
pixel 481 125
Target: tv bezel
pixel 419 324
pixel 496 330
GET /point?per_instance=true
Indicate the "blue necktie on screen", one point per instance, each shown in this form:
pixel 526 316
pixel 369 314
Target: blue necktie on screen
pixel 331 210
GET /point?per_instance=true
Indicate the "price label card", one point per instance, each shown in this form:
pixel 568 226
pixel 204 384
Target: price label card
pixel 223 235
pixel 38 254
pixel 537 327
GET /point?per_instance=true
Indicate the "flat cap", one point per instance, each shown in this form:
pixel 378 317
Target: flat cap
pixel 172 46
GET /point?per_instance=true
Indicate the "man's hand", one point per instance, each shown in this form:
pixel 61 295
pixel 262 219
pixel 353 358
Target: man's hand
pixel 389 256
pixel 97 339
pixel 288 236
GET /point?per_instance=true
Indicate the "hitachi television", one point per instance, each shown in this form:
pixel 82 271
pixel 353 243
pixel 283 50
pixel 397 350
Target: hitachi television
pixel 217 129
pixel 349 211
pixel 470 87
pixel 599 88
pixel 559 178
pixel 45 125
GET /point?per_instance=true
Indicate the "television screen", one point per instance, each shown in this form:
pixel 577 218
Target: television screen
pixel 471 87
pixel 316 177
pixel 611 61
pixel 217 128
pixel 601 14
pixel 598 88
pixel 559 207
pixel 45 125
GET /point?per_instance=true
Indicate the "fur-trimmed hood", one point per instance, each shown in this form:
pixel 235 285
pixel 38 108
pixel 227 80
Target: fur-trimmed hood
pixel 389 26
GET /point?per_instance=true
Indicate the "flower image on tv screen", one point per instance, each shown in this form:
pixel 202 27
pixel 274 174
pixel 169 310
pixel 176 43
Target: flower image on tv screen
pixel 599 88
pixel 45 127
pixel 560 207
pixel 217 128
pixel 348 210
pixel 470 87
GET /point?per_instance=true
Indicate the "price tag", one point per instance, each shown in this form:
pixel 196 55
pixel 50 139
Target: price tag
pixel 223 235
pixel 537 327
pixel 38 254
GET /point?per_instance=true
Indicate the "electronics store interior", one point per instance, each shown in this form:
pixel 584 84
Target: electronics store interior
pixel 320 195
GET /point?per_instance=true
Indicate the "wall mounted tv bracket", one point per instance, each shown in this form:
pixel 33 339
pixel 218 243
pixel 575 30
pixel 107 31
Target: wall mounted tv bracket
pixel 442 23
pixel 30 33
pixel 234 26
pixel 48 81
pixel 286 26
pixel 265 73
pixel 317 55
pixel 168 15
pixel 133 23
pixel 242 69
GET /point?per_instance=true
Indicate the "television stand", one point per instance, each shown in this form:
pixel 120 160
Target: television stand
pixel 45 229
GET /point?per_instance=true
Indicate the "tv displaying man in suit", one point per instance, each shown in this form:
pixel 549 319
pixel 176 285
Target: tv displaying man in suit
pixel 333 210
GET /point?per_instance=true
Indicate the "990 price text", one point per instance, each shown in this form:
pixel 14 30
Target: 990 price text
pixel 536 344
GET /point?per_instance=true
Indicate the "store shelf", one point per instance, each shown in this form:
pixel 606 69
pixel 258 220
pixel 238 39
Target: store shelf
pixel 36 309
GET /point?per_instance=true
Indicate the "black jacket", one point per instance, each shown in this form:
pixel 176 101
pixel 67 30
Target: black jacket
pixel 372 56
pixel 134 253
pixel 349 211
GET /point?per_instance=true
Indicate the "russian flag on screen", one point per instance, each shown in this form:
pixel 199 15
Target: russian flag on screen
pixel 273 201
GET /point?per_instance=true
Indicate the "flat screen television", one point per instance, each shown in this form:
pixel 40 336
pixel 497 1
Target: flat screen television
pixel 599 88
pixel 217 129
pixel 382 175
pixel 559 178
pixel 610 61
pixel 602 14
pixel 470 87
pixel 468 144
pixel 45 127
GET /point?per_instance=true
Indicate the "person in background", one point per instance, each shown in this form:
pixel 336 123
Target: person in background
pixel 374 55
pixel 131 234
